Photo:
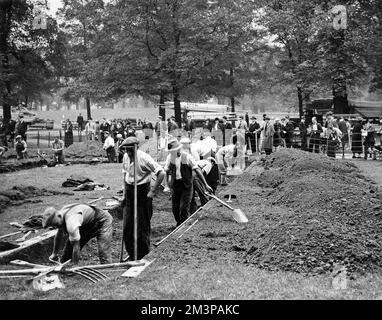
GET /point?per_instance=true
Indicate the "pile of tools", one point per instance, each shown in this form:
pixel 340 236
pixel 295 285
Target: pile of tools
pixel 42 275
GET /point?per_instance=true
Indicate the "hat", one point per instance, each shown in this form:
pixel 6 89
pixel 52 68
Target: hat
pixel 277 119
pixel 160 117
pixel 267 118
pixel 286 117
pixel 106 132
pixel 253 118
pixel 173 145
pixel 18 137
pixel 129 142
pixel 48 216
pixel 119 136
pixel 185 141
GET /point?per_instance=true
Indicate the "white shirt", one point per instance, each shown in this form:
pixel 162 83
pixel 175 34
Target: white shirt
pixel 227 153
pixel 199 150
pixel 186 158
pixel 109 142
pixel 210 143
pixel 146 165
pixel 205 165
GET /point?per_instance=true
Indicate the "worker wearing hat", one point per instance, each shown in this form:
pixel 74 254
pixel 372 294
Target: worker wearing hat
pixel 199 186
pixel 109 147
pixel 227 157
pixel 181 168
pixel 146 166
pixel 81 222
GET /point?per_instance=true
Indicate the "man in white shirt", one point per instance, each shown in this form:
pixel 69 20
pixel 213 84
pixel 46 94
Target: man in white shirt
pixel 226 157
pixel 146 166
pixel 81 222
pixel 109 147
pixel 181 168
pixel 209 142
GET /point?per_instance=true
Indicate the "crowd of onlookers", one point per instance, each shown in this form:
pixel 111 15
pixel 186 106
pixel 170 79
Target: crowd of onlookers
pixel 266 135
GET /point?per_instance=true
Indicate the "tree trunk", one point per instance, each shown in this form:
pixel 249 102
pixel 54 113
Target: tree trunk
pixel 177 110
pixel 340 97
pixel 300 102
pixel 162 111
pixel 232 94
pixel 88 108
pixel 5 11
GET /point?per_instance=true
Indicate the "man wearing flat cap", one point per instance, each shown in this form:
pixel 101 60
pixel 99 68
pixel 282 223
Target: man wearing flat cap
pixel 81 222
pixel 180 168
pixel 146 166
pixel 109 147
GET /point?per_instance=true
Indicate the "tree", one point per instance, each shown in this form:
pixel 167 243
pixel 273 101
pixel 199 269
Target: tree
pixel 29 56
pixel 81 27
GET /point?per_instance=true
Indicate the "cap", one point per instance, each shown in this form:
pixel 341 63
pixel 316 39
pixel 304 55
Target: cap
pixel 173 145
pixel 253 118
pixel 119 136
pixel 48 216
pixel 18 137
pixel 130 141
pixel 267 118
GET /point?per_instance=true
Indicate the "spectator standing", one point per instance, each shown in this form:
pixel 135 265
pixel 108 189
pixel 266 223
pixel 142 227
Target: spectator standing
pixel 68 138
pixel 277 135
pixel 343 126
pixel 224 126
pixel 58 151
pixel 253 129
pixel 109 147
pixel 207 125
pixel 369 140
pixel 269 132
pixel 21 128
pixel 356 139
pixel 80 122
pixel 189 126
pixel 289 129
pixel 315 138
pixel 21 148
pixel 172 125
pixel 118 148
pixel 303 134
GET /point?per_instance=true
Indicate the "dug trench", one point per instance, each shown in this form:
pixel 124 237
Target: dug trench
pixel 306 213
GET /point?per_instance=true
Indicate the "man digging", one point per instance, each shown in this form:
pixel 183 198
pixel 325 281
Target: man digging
pixel 81 222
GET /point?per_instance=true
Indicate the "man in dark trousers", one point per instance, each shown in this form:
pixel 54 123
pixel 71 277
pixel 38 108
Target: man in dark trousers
pixel 288 128
pixel 189 126
pixel 21 128
pixel 81 222
pixel 303 134
pixel 225 125
pixel 253 129
pixel 146 166
pixel 180 168
pixel 80 122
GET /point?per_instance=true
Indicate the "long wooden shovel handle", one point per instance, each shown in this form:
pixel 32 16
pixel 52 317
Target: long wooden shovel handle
pixel 219 200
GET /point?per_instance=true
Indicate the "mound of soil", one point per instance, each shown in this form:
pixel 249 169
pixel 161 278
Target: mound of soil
pixel 322 212
pixel 18 195
pixel 85 149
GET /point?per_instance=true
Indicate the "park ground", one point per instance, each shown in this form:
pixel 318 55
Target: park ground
pixel 203 263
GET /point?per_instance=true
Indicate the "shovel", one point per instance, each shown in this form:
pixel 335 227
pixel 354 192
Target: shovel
pixel 238 214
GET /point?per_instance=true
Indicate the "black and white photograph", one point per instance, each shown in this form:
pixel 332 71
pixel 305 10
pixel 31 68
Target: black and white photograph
pixel 190 155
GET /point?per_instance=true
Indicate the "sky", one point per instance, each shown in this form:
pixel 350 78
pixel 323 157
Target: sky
pixel 54 5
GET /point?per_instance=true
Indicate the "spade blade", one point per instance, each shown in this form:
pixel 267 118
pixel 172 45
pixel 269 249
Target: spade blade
pixel 239 216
